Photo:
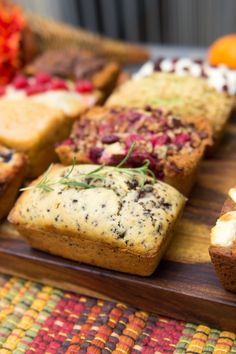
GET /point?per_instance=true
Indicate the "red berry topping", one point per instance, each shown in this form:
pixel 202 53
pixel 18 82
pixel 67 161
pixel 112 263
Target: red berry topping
pixel 160 140
pixel 181 138
pixel 2 90
pixel 33 90
pixel 68 141
pixel 43 78
pixel 84 86
pixel 20 82
pixel 57 85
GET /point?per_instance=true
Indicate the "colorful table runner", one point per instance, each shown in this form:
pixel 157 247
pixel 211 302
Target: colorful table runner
pixel 37 319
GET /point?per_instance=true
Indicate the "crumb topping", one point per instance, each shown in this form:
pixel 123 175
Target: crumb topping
pixel 159 136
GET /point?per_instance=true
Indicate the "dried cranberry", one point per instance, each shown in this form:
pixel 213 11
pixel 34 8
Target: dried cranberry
pixel 43 78
pixel 84 86
pixel 132 138
pixel 134 117
pixel 57 85
pixel 95 153
pixel 181 138
pixel 20 82
pixel 2 90
pixel 160 140
pixel 68 141
pixel 110 139
pixel 33 90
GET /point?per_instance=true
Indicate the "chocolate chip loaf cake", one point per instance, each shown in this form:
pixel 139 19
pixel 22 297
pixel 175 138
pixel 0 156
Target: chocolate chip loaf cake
pixel 77 65
pixel 185 96
pixel 173 147
pixel 33 129
pixel 223 243
pixel 72 98
pixel 109 217
pixel 12 169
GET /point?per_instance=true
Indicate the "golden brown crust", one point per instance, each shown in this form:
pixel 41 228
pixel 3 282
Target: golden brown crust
pixel 91 225
pixel 224 258
pixel 11 178
pixel 33 129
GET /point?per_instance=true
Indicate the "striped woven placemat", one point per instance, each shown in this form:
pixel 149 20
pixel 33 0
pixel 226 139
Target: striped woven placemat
pixel 37 319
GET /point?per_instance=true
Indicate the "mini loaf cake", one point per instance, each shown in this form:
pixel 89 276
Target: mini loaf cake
pixel 12 169
pixel 219 77
pixel 223 243
pixel 104 216
pixel 71 98
pixel 173 147
pixel 185 96
pixel 77 65
pixel 32 128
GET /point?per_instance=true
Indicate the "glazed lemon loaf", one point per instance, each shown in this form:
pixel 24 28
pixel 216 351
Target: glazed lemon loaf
pixel 34 129
pixel 113 219
pixel 223 243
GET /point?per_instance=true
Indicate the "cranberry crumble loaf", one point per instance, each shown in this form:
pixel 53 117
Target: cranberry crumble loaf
pixel 223 243
pixel 72 98
pixel 77 65
pixel 220 77
pixel 174 147
pixel 33 129
pixel 108 218
pixel 184 95
pixel 12 168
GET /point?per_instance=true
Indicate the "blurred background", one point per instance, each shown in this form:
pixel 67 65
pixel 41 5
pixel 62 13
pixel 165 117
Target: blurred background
pixel 178 22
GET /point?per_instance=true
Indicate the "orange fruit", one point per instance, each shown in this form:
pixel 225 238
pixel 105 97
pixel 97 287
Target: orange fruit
pixel 223 51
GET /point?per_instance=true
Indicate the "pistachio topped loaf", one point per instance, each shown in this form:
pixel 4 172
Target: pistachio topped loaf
pixel 184 95
pixel 113 218
pixel 223 243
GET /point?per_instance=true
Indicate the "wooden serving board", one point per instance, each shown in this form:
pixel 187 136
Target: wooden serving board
pixel 184 285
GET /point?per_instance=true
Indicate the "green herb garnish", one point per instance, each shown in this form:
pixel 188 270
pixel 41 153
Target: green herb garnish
pixel 95 175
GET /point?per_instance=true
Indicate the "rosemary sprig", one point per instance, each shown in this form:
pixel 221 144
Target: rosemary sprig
pixel 46 184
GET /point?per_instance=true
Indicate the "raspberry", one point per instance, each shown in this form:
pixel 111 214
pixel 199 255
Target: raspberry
pixel 43 78
pixel 58 85
pixel 2 90
pixel 33 90
pixel 84 86
pixel 20 82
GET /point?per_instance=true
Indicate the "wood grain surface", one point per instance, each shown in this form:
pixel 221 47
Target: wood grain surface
pixel 184 285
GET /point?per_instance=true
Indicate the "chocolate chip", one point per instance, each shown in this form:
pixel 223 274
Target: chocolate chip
pixel 133 184
pixel 95 153
pixel 110 139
